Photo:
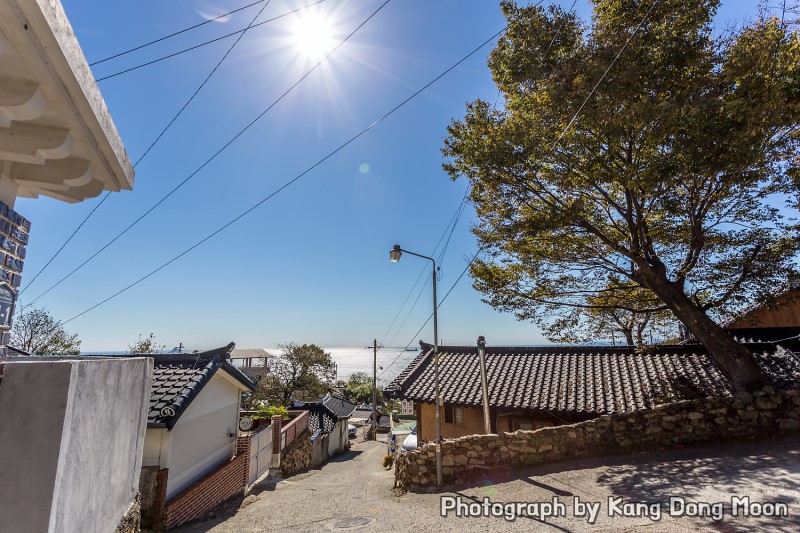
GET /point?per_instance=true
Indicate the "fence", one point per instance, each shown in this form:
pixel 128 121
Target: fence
pixel 295 427
pixel 260 454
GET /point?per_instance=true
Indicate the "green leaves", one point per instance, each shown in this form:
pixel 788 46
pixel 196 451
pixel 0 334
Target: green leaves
pixel 672 170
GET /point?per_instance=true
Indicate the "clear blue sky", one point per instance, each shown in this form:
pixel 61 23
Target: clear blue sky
pixel 310 265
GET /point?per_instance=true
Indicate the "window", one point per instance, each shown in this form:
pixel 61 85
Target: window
pixel 453 415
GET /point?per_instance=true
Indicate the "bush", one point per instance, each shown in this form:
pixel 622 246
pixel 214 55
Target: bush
pixel 271 410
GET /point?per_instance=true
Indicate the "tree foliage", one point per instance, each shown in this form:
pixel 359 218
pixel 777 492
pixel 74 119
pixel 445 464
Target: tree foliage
pixel 358 389
pixel 674 176
pixel 38 333
pixel 607 317
pixel 146 345
pixel 300 372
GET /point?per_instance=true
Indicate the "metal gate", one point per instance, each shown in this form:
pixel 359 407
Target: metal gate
pixel 260 454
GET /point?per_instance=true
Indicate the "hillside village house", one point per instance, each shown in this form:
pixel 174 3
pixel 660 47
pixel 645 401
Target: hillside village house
pixel 534 387
pixel 328 423
pixel 192 430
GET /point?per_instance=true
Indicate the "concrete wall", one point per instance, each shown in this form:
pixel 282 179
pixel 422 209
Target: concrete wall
pixel 765 412
pixel 72 437
pixel 337 439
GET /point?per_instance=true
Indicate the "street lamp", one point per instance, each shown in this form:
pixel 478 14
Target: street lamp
pixel 394 257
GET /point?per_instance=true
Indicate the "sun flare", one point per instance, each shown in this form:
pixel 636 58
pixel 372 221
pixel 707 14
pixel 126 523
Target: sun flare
pixel 313 36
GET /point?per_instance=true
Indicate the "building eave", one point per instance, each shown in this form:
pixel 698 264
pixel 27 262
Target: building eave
pixel 57 137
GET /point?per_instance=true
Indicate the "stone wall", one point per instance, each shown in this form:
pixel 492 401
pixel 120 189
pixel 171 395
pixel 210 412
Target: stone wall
pixel 131 522
pixel 296 457
pixel 470 458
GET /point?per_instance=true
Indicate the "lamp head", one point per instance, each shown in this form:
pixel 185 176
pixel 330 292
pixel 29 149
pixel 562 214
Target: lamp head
pixel 395 253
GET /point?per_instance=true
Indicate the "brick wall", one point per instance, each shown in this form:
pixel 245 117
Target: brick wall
pixel 211 490
pixel 765 412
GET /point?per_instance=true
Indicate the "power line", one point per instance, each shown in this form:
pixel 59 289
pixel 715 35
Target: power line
pixel 453 286
pixel 107 194
pixel 210 159
pixel 105 197
pixel 552 148
pixel 154 41
pixel 195 47
pixel 414 286
pixel 451 225
pixel 296 178
pixel 203 84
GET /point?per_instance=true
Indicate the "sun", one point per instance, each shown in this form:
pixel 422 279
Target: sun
pixel 313 36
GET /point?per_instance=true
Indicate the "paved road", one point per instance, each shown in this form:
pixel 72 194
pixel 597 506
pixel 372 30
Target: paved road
pixel 353 490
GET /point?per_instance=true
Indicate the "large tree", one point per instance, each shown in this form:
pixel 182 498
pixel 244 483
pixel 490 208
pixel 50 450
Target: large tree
pixel 675 174
pixel 38 333
pixel 300 372
pixel 620 310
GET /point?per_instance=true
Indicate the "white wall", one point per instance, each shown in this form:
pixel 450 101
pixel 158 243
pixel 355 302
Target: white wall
pixel 338 438
pixel 200 440
pixel 71 436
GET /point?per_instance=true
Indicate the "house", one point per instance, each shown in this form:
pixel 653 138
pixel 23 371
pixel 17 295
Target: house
pixel 328 425
pixel 782 310
pixel 363 416
pixel 533 387
pixel 192 429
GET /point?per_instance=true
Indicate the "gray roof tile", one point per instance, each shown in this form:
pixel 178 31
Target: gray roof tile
pixel 580 380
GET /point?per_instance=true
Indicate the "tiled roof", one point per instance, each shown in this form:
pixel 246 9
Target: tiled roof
pixel 787 337
pixel 580 380
pixel 178 379
pixel 365 414
pixel 325 413
pixel 362 413
pixel 338 406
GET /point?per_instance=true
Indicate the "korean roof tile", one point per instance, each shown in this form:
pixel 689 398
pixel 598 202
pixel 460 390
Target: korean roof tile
pixel 787 337
pixel 338 406
pixel 580 381
pixel 178 379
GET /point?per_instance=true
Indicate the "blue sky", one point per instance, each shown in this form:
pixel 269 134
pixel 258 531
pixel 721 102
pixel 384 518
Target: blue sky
pixel 311 264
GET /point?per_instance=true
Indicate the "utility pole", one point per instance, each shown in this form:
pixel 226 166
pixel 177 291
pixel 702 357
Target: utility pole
pixel 374 427
pixel 487 423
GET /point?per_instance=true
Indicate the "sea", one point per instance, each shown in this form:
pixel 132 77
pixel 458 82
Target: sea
pixel 350 359
pixel 390 361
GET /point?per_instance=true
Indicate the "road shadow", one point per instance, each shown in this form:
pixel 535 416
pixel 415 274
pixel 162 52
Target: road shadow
pixel 733 470
pixel 228 508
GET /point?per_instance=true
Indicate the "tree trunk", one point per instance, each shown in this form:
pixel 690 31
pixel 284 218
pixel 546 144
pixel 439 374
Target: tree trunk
pixel 731 358
pixel 628 336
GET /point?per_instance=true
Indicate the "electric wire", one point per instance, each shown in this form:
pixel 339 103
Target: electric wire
pixel 160 135
pixel 154 41
pixel 203 84
pixel 207 161
pixel 453 286
pixel 451 226
pixel 195 47
pixel 414 286
pixel 296 178
pixel 550 151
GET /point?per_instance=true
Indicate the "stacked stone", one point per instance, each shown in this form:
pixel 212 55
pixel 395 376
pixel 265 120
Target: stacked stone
pixel 761 413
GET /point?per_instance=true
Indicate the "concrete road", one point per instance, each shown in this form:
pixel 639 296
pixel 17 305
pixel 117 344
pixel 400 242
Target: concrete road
pixel 353 492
